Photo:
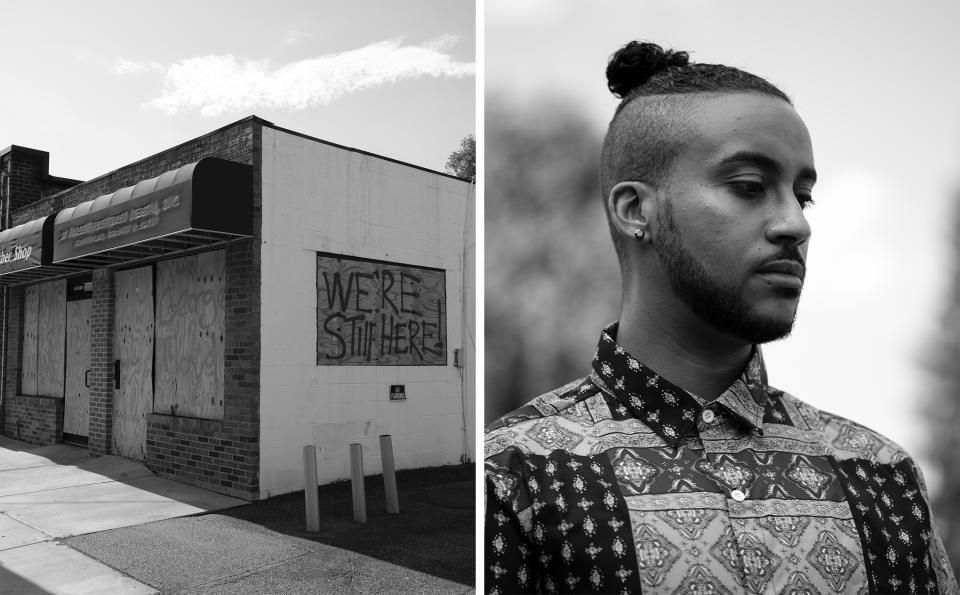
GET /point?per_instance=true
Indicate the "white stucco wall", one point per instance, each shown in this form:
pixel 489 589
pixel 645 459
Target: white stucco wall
pixel 320 198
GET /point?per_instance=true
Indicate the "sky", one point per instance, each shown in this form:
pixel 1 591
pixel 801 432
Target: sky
pixel 878 87
pixel 103 83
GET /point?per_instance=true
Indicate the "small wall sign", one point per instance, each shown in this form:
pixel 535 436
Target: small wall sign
pixel 80 288
pixel 397 392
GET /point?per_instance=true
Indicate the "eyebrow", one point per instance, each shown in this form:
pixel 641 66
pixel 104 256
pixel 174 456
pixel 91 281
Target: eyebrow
pixel 765 162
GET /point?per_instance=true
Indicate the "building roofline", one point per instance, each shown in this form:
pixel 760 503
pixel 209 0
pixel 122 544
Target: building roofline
pixel 251 118
pixel 361 151
pixel 158 153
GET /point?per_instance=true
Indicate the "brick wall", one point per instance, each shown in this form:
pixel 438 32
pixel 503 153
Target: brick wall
pixel 217 454
pixel 100 433
pixel 14 340
pixel 12 318
pixel 207 453
pixel 29 178
pixel 37 420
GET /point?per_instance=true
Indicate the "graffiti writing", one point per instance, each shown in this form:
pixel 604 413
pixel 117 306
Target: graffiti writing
pixel 376 313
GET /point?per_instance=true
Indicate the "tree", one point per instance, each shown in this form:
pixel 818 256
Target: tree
pixel 551 280
pixel 942 407
pixel 463 161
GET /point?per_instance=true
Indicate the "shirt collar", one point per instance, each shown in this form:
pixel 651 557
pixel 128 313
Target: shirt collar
pixel 667 409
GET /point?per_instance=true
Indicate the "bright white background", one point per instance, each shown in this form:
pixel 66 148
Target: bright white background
pixel 879 87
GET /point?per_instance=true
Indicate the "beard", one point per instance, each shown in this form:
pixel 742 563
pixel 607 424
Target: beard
pixel 715 302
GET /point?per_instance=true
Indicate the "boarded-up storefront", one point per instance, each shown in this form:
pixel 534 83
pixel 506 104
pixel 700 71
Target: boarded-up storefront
pixel 212 308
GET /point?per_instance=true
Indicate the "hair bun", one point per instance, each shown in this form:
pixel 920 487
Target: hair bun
pixel 635 63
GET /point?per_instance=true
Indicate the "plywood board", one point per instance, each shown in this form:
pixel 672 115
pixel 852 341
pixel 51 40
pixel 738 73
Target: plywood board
pixel 31 325
pixel 76 408
pixel 133 346
pixel 211 269
pixel 51 338
pixel 190 307
pixel 176 313
pixel 372 313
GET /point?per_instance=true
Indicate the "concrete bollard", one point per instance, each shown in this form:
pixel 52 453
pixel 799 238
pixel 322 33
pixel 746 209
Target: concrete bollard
pixel 310 488
pixel 389 474
pixel 356 479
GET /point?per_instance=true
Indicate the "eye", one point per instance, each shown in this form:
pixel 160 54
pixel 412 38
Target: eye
pixel 748 188
pixel 805 200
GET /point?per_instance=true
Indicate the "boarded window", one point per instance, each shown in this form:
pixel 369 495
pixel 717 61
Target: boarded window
pixel 44 335
pixel 373 313
pixel 189 336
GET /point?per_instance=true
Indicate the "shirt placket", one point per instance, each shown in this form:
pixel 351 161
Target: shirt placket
pixel 744 550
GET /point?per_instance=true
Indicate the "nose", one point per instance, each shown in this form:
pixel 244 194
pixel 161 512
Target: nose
pixel 788 224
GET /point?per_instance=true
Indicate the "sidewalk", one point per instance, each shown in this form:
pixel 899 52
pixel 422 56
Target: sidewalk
pixel 263 548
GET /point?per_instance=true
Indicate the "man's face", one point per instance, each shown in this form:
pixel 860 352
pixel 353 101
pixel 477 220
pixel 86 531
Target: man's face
pixel 731 234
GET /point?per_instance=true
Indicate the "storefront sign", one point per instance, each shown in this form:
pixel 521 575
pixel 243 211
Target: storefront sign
pixel 121 222
pixel 21 247
pixel 373 313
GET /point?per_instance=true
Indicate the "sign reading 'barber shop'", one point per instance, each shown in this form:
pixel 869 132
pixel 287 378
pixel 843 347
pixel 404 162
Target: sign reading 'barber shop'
pixel 16 253
pixel 21 247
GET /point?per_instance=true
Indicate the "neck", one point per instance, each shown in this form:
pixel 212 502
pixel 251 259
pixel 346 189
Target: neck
pixel 682 348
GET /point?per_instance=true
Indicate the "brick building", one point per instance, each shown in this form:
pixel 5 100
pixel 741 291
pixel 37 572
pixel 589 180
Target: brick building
pixel 211 309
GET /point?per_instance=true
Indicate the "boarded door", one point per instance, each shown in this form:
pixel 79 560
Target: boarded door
pixel 50 338
pixel 44 324
pixel 77 381
pixel 133 348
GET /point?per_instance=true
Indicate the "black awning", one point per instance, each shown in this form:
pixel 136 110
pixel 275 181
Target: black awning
pixel 21 247
pixel 203 203
pixel 25 253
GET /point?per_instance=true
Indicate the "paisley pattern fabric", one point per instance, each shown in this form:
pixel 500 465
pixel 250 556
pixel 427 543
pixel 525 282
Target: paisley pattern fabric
pixel 622 482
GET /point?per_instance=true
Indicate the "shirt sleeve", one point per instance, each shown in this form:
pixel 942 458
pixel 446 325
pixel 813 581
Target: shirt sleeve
pixel 509 556
pixel 946 580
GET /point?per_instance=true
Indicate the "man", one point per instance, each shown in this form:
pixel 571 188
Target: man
pixel 673 467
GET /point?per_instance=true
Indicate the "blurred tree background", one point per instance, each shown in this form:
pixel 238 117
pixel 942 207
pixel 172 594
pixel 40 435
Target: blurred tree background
pixel 551 279
pixel 942 408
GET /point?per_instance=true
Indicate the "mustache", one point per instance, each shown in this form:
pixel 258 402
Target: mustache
pixel 785 255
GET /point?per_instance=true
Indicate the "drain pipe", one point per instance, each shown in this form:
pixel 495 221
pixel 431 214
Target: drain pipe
pixel 467 341
pixel 462 365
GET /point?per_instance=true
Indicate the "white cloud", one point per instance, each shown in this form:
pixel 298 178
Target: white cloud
pixel 217 84
pixel 121 66
pixel 293 37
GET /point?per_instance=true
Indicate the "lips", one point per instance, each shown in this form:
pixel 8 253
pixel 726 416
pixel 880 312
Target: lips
pixel 783 267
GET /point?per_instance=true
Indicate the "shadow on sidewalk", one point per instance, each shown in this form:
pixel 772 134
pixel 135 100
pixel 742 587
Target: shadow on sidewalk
pixel 14 584
pixel 434 532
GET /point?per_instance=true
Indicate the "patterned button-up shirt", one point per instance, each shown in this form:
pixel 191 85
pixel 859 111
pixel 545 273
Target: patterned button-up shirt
pixel 622 482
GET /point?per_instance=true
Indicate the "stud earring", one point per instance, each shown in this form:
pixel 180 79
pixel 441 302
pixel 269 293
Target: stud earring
pixel 639 235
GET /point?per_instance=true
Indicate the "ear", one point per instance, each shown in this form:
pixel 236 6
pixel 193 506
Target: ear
pixel 632 205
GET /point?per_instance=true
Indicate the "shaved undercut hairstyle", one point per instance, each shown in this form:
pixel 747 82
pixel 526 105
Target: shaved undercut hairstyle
pixel 650 127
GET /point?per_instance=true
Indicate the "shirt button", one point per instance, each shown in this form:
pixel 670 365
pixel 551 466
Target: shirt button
pixel 738 495
pixel 708 416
